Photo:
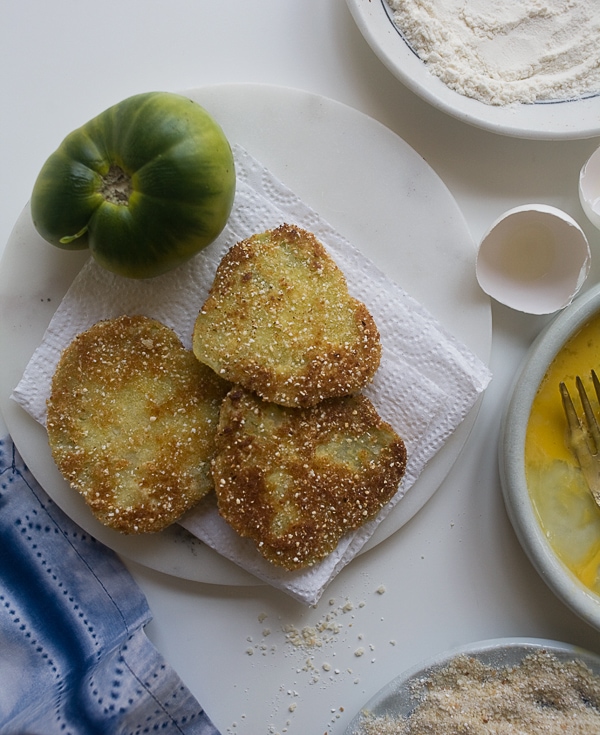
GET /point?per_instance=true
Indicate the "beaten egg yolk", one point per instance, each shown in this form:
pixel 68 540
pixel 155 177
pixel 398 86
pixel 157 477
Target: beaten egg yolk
pixel 567 513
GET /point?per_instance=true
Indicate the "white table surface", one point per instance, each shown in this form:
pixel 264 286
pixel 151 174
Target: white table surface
pixel 456 572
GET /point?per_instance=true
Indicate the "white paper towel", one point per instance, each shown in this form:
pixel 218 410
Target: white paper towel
pixel 426 383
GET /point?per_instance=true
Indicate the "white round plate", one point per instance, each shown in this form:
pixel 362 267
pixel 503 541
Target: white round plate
pixel 512 458
pixel 368 183
pixel 397 697
pixel 564 120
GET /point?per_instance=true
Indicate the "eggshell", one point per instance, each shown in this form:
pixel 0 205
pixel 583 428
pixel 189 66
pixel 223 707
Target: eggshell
pixel 589 188
pixel 534 258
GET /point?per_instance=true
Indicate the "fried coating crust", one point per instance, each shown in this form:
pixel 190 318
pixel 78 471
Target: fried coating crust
pixel 295 480
pixel 131 422
pixel 279 321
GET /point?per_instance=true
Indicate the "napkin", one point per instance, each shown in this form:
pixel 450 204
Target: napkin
pixel 74 657
pixel 425 385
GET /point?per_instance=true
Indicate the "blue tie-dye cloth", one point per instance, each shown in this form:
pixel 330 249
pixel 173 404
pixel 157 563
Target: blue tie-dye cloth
pixel 74 658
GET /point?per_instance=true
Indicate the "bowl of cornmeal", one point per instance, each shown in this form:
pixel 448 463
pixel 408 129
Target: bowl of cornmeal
pixel 549 504
pixel 514 685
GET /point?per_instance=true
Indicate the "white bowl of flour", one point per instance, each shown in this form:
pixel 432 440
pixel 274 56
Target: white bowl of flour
pixel 525 68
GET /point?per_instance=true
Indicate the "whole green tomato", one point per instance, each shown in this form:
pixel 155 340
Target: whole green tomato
pixel 145 185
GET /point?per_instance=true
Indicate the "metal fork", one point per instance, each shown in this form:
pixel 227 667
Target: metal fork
pixel 584 434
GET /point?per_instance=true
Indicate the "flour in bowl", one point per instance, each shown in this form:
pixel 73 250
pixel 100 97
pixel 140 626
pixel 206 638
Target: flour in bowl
pixel 516 51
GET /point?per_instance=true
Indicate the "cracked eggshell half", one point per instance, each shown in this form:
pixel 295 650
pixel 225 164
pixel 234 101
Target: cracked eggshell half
pixel 589 188
pixel 534 258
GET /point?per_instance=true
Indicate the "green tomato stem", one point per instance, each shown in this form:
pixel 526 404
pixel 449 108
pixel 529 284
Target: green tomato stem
pixel 116 186
pixel 69 238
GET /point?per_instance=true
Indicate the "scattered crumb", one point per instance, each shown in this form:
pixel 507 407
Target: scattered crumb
pixel 317 646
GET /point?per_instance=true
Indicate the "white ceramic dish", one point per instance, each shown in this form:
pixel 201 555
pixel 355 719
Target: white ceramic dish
pixel 284 129
pixel 571 119
pixel 512 459
pixel 395 698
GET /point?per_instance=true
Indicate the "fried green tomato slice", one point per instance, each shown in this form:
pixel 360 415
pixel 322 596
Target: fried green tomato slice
pixel 131 421
pixel 279 321
pixel 295 480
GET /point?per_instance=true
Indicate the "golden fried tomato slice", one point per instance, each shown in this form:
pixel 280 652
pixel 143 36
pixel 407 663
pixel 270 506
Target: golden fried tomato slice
pixel 131 422
pixel 279 321
pixel 295 480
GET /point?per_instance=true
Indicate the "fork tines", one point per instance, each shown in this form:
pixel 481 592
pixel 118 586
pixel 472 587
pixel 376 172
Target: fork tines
pixel 584 434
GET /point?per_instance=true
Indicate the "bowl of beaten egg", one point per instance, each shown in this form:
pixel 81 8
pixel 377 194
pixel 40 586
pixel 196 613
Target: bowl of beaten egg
pixel 551 509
